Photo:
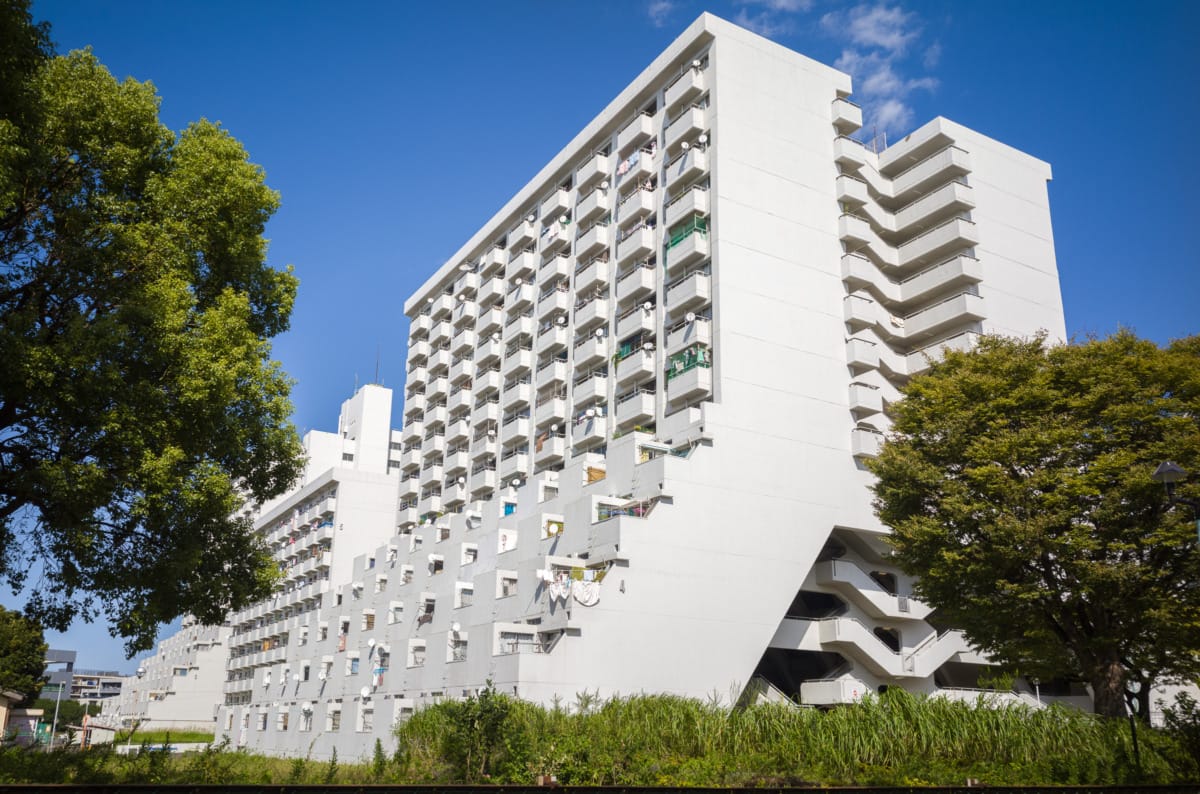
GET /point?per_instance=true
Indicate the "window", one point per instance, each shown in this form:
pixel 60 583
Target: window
pixel 302 639
pixel 347 456
pixel 396 612
pixel 352 666
pixel 281 720
pixel 323 631
pixel 510 508
pixel 333 718
pixel 508 586
pixel 305 669
pixel 181 672
pixel 368 621
pixel 262 721
pixel 306 717
pixel 366 716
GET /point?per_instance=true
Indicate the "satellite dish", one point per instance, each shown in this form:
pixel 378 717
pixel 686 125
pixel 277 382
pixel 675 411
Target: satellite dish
pixel 431 557
pixel 599 333
pixel 554 427
pixel 648 346
pixel 365 692
pixel 531 217
pixel 462 480
pixel 565 219
pixel 604 185
pixel 591 412
pixel 690 317
pixel 647 306
pixel 462 298
pixel 371 643
pixel 516 482
pixel 321 675
pixel 695 64
pixel 306 708
pixel 516 282
pixel 455 627
pixel 465 267
pixel 429 300
pixel 296 677
pixel 685 146
pixel 703 139
pixel 496 337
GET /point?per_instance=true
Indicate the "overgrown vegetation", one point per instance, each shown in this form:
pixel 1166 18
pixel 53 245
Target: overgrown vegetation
pixel 894 739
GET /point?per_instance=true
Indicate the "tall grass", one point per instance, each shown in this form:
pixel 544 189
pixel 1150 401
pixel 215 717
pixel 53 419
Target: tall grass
pixel 893 739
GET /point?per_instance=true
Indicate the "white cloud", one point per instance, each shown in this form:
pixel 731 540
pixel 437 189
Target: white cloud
pixel 659 10
pixel 763 23
pixel 786 6
pixel 879 37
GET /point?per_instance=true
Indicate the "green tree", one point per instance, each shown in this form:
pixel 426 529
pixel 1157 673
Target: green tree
pixel 1017 482
pixel 70 712
pixel 139 407
pixel 22 655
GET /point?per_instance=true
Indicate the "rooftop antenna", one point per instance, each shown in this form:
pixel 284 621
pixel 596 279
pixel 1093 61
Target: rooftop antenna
pixel 377 365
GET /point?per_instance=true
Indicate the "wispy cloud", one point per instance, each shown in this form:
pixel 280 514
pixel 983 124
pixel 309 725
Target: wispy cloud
pixel 771 18
pixel 659 11
pixel 880 41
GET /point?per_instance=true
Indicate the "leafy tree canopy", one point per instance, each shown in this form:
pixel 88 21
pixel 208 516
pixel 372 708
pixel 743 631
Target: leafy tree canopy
pixel 22 655
pixel 1017 481
pixel 139 406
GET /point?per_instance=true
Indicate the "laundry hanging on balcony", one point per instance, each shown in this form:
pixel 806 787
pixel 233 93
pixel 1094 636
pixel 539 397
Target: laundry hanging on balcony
pixel 587 594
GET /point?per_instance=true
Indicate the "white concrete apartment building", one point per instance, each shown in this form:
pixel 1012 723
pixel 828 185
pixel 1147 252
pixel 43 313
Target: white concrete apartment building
pixel 638 403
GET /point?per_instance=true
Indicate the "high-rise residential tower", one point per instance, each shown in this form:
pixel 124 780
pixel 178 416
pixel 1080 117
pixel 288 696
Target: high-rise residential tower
pixel 638 403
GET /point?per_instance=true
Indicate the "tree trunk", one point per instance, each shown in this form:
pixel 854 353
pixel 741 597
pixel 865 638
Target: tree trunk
pixel 1108 689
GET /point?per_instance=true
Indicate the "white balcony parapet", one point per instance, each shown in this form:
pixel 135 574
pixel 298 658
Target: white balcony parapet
pixel 689 204
pixel 686 87
pixel 635 133
pixel 596 168
pixel 852 581
pixel 846 116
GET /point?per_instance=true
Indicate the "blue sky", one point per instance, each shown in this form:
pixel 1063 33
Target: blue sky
pixel 394 130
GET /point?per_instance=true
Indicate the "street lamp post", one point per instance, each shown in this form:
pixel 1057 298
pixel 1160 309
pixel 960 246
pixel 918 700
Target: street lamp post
pixel 133 720
pixel 54 723
pixel 1134 687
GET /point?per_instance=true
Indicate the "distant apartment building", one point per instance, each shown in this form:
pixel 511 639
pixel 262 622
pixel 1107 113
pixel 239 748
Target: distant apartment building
pixel 637 409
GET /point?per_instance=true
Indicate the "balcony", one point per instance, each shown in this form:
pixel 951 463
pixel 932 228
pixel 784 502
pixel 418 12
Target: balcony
pixel 832 692
pixel 458 431
pixel 433 446
pixel 943 166
pixel 488 413
pixel 591 351
pixel 415 403
pixel 418 352
pixel 440 360
pixel 410 458
pixel 482 481
pixel 944 202
pixel 441 307
pixel 637 204
pixel 555 237
pixel 512 466
pixel 691 204
pixel 689 383
pixel 491 261
pixel 865 400
pixel 465 313
pixel 597 168
pixel 553 302
pixel 484 448
pixel 849 153
pixel 686 127
pixel 551 373
pixel 594 205
pixel 686 87
pixel 637 367
pixel 521 235
pixel 635 133
pixel 552 339
pixel 857 586
pixel 919 361
pixel 556 204
pixel 518 326
pixel 410 486
pixel 635 320
pixel 939 242
pixel 550 410
pixel 637 283
pixel 553 269
pixel 592 313
pixel 441 333
pixel 548 451
pixel 413 430
pixel 520 297
pixel 637 244
pixel 517 363
pixel 463 342
pixel 590 390
pixel 687 167
pixel 459 401
pixel 486 381
pixel 515 396
pixel 466 283
pixel 521 266
pixel 688 333
pixel 865 443
pixel 492 290
pixel 637 168
pixel 846 116
pixel 455 493
pixel 691 291
pixel 944 316
pixel 457 462
pixel 461 370
pixel 438 388
pixel 593 274
pixel 687 247
pixel 593 241
pixel 854 230
pixel 862 354
pixel 588 432
pixel 514 430
pixel 635 408
pixel 851 190
pixel 432 475
pixel 416 377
